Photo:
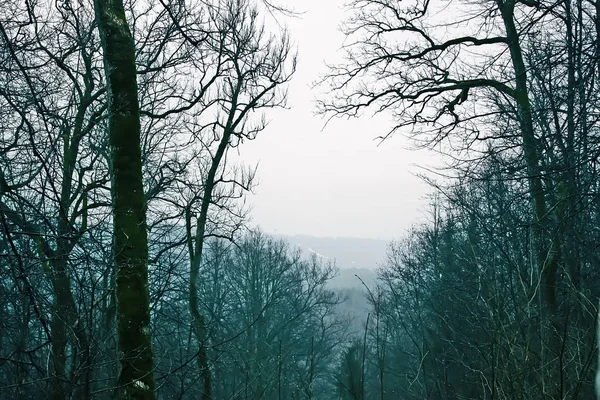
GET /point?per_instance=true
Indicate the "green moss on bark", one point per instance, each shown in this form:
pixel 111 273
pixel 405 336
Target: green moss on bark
pixel 130 241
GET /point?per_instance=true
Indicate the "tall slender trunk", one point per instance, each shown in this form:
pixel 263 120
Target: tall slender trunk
pixel 65 322
pixel 195 249
pixel 546 249
pixel 130 242
pixel 530 148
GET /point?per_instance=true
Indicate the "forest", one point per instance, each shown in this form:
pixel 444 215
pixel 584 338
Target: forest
pixel 130 267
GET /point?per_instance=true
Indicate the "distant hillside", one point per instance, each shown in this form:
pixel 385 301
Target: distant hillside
pixel 347 279
pixel 346 252
pixel 353 257
pixel 355 306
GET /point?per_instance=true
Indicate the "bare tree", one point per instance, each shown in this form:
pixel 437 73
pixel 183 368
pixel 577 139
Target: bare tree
pixel 55 165
pixel 130 246
pixel 51 90
pixel 251 68
pixel 510 80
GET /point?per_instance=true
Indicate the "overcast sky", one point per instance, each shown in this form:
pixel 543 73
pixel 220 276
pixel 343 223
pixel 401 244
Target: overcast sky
pixel 335 181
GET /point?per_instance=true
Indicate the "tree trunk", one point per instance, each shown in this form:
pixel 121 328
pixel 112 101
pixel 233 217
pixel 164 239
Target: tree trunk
pixel 546 249
pixel 195 249
pixel 130 240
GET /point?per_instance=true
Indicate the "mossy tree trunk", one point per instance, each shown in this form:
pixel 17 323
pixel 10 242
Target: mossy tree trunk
pixel 130 240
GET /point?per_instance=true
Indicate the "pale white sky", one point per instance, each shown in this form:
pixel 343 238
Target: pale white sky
pixel 336 181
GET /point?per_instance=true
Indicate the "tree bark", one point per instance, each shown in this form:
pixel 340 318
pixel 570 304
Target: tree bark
pixel 195 249
pixel 130 240
pixel 547 250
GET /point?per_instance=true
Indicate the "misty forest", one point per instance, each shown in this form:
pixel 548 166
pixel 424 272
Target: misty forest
pixel 130 264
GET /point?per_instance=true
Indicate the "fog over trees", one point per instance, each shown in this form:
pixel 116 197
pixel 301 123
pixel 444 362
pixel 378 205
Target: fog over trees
pixel 131 267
